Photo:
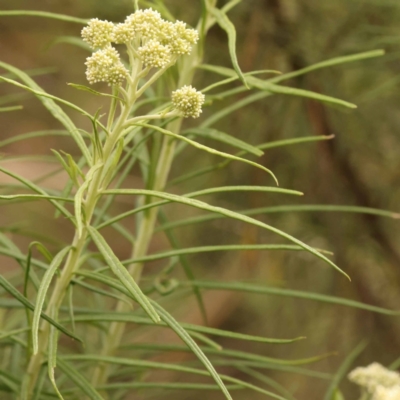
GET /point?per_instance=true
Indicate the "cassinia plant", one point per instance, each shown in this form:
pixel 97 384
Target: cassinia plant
pixel 148 61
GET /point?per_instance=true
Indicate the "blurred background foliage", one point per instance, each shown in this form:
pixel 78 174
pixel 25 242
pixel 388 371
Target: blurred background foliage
pixel 361 166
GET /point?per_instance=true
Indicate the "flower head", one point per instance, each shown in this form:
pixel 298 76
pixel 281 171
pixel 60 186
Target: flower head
pixel 123 33
pixel 154 54
pixel 179 38
pixel 98 34
pixel 377 381
pixel 189 101
pixel 145 23
pixel 384 393
pixel 105 66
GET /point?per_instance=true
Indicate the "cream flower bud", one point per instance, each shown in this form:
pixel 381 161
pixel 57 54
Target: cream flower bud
pixel 145 23
pixel 98 34
pixel 189 101
pixel 154 54
pixel 123 33
pixel 105 66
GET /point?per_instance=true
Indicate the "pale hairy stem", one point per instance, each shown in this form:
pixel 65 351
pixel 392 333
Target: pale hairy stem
pixel 72 262
pixel 146 229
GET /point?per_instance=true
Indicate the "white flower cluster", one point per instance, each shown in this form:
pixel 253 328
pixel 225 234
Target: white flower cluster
pixel 378 382
pixel 383 393
pixel 157 42
pixel 105 66
pixel 188 101
pixel 98 34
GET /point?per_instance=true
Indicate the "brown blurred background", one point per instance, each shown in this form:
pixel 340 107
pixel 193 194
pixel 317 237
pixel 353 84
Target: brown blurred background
pixel 361 166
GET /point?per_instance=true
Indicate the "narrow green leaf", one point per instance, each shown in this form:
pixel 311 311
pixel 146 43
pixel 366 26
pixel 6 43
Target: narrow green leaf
pixel 225 23
pixel 43 14
pixel 239 355
pixel 264 146
pixel 192 345
pixel 225 138
pixel 329 63
pixel 267 85
pixel 52 357
pixel 331 393
pixel 252 288
pixel 286 209
pixel 23 300
pixel 164 385
pixel 228 213
pixel 206 249
pixel 208 149
pixel 36 189
pixel 9 109
pixel 24 136
pixel 165 366
pixel 72 40
pixel 266 379
pixel 54 109
pixel 78 379
pixel 95 92
pixel 185 265
pixel 121 272
pixel 79 198
pixel 126 317
pixel 44 286
pixel 34 197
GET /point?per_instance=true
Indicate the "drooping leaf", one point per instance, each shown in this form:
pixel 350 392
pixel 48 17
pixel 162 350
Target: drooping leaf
pixel 123 275
pixel 42 292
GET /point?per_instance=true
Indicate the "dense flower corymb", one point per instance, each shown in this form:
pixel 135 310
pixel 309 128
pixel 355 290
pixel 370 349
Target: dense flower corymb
pixel 189 101
pixel 106 66
pixel 153 41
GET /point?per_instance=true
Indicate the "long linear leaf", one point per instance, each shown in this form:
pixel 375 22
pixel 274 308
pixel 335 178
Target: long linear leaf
pixel 165 366
pixel 228 213
pixel 267 85
pixel 54 109
pixel 122 317
pixel 34 197
pixel 225 138
pixel 341 372
pixel 252 288
pixel 123 275
pixel 225 23
pixel 286 209
pixel 192 345
pixel 79 380
pixel 36 189
pixel 26 303
pixel 188 270
pixel 329 63
pixel 43 288
pixel 203 192
pixel 43 14
pixel 208 149
pixel 239 355
pixel 206 249
pixel 264 146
